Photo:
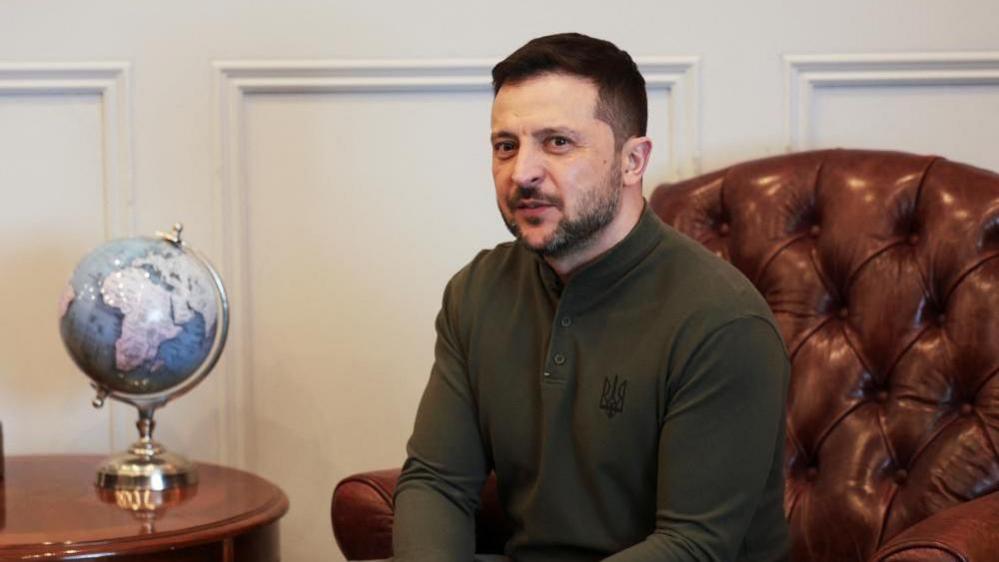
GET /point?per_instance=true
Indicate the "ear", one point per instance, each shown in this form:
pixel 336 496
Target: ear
pixel 634 159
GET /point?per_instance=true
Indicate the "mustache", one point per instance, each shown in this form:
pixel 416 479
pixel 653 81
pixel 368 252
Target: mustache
pixel 532 194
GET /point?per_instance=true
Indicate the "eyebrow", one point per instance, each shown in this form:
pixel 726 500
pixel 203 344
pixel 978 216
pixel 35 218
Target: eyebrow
pixel 501 135
pixel 540 133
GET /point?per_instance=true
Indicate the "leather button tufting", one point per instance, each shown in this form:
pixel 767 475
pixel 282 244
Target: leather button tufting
pixel 815 230
pixel 811 474
pixel 966 409
pixel 844 312
pixel 901 475
pixel 724 229
pixel 913 239
pixel 941 318
pixel 881 396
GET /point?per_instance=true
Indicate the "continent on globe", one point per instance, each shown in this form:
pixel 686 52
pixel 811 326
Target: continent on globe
pixel 67 297
pixel 187 281
pixel 146 324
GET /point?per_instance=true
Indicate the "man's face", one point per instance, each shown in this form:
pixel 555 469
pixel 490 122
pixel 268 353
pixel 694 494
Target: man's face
pixel 555 167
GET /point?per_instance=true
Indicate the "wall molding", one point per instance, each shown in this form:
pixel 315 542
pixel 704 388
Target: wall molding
pixel 804 74
pixel 111 81
pixel 679 77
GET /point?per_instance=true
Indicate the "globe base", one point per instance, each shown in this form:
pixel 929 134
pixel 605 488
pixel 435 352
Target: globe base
pixel 146 466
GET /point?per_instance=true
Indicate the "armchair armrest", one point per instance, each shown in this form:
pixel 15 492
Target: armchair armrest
pixel 962 533
pixel 362 511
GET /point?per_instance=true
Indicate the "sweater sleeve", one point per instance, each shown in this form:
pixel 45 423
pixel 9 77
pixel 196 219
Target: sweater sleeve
pixel 438 490
pixel 717 445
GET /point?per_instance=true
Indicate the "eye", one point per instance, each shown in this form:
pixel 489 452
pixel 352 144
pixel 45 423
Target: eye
pixel 559 143
pixel 505 148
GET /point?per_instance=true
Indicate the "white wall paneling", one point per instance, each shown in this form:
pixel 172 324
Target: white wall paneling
pixel 678 79
pixel 67 131
pixel 808 75
pixel 110 81
pixel 673 83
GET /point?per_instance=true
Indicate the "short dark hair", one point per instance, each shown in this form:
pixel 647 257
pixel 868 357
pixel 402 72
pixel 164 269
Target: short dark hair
pixel 621 101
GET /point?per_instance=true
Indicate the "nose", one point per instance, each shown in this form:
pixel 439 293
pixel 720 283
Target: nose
pixel 528 167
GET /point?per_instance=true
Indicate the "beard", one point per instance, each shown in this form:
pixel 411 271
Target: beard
pixel 596 209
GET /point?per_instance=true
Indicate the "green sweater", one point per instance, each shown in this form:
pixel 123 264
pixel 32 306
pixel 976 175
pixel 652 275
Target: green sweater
pixel 636 413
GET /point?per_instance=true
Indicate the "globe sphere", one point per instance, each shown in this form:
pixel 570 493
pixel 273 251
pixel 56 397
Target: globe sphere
pixel 140 315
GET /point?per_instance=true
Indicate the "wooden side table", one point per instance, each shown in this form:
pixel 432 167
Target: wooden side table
pixel 51 510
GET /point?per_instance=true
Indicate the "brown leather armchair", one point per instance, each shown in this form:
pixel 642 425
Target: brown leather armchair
pixel 882 269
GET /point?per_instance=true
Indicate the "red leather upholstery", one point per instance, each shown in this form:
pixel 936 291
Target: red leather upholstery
pixel 881 270
pixel 361 513
pixel 965 532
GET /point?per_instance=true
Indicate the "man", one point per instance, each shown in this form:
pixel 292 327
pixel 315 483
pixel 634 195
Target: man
pixel 626 386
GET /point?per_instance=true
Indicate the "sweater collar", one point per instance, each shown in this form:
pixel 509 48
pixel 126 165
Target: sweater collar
pixel 612 264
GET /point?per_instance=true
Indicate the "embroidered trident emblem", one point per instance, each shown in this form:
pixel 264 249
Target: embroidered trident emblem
pixel 612 399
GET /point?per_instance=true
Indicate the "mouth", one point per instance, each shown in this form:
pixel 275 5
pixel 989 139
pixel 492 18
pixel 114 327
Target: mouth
pixel 533 209
pixel 533 204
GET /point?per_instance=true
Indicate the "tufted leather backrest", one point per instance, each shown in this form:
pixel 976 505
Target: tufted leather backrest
pixel 882 270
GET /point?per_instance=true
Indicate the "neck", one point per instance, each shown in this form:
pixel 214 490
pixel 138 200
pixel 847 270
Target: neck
pixel 632 205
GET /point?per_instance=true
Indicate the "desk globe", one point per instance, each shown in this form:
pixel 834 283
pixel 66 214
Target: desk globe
pixel 145 319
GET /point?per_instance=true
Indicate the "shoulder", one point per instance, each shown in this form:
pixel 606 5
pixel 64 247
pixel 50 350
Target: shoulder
pixel 491 274
pixel 702 287
pixel 700 297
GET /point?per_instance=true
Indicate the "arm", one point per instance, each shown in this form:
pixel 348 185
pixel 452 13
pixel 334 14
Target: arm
pixel 717 445
pixel 438 490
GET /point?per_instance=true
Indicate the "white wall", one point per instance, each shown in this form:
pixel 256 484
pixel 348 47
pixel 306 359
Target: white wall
pixel 338 192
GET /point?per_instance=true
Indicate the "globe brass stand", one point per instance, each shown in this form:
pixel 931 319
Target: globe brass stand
pixel 146 504
pixel 146 465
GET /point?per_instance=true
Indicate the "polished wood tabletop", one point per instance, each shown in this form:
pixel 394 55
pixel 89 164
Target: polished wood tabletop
pixel 50 509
